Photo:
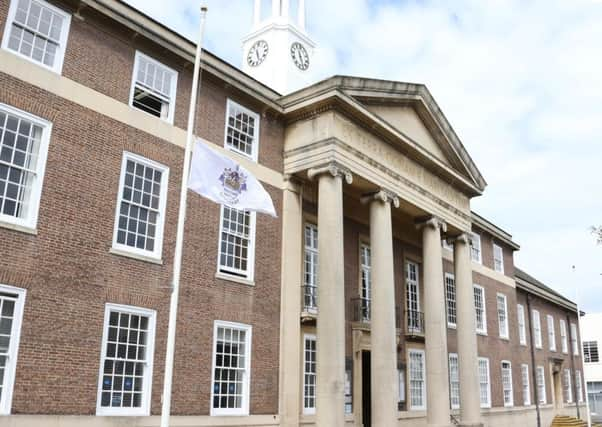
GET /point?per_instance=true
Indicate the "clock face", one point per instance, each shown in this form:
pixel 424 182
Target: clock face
pixel 257 53
pixel 300 56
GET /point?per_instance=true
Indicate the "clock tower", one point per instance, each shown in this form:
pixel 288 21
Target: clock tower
pixel 278 52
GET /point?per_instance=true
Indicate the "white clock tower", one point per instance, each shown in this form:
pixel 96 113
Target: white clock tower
pixel 278 52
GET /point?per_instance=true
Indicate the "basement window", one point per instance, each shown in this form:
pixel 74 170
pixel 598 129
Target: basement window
pixel 153 88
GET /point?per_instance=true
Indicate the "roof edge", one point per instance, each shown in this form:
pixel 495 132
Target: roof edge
pixel 496 231
pixel 528 283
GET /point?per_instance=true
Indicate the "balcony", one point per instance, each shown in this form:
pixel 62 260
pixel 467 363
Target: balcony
pixel 310 303
pixel 414 324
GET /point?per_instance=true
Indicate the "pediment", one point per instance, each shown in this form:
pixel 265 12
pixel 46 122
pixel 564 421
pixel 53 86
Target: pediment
pixel 406 120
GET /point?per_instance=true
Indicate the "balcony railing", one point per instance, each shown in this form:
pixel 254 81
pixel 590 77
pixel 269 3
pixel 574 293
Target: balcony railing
pixel 414 323
pixel 310 298
pixel 361 310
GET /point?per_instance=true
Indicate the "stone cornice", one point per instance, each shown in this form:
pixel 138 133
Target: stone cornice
pixel 391 173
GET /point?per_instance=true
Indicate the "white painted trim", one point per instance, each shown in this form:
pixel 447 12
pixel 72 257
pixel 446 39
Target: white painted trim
pixel 255 148
pixel 174 85
pixel 307 411
pixel 511 403
pixel 60 53
pixel 488 403
pixel 30 223
pixel 450 357
pixel 409 369
pixel 506 323
pixel 522 329
pixel 119 248
pixel 536 319
pixel 13 348
pixel 451 325
pixel 551 332
pixel 526 396
pixel 564 343
pixel 540 369
pixel 481 331
pixel 144 409
pixel 475 237
pixel 232 274
pixel 244 410
pixel 574 339
pixel 501 251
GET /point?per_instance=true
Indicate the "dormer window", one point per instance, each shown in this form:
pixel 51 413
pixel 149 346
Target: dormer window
pixel 154 88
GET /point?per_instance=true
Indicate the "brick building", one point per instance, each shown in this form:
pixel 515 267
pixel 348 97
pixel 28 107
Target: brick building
pixel 93 107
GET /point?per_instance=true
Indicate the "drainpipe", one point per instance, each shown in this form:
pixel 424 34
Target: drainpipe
pixel 571 352
pixel 534 368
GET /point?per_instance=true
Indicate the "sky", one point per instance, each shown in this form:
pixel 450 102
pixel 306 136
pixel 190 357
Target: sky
pixel 519 80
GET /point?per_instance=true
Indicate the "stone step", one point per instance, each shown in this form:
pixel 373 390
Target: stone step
pixel 566 421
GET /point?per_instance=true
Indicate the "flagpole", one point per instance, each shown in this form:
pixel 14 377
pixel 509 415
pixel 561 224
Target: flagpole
pixel 177 264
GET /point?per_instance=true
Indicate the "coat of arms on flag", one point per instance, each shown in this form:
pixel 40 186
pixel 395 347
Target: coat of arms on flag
pixel 234 182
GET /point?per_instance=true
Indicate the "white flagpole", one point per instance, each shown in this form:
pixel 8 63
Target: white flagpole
pixel 177 264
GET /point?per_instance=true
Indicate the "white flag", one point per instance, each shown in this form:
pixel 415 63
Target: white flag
pixel 221 179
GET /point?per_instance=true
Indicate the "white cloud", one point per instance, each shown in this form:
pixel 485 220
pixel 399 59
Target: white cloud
pixel 519 81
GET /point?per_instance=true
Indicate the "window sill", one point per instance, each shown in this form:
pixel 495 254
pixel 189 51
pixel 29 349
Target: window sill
pixel 482 333
pixel 451 326
pixel 232 278
pixel 127 254
pixel 19 228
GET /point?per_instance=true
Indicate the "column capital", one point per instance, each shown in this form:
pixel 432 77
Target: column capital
pixel 292 183
pixel 459 238
pixel 333 168
pixel 432 221
pixel 382 195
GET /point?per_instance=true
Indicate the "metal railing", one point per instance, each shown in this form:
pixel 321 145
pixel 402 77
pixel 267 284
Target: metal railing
pixel 310 298
pixel 414 322
pixel 361 310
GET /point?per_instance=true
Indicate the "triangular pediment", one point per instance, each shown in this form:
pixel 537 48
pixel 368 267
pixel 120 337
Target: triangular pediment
pixel 406 120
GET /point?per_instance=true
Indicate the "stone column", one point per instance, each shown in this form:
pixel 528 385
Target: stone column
pixel 330 336
pixel 382 323
pixel 435 326
pixel 290 327
pixel 470 402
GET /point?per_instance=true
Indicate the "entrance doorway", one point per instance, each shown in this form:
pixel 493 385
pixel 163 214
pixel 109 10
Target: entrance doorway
pixel 366 394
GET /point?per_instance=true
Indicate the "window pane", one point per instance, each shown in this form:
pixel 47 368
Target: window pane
pixel 241 129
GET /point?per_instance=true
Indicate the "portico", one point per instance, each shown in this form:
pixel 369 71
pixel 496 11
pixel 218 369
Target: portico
pixel 386 148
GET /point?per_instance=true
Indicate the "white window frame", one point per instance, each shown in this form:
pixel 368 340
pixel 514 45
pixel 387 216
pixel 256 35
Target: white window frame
pixel 174 86
pixel 450 284
pixel 62 47
pixel 522 328
pixel 308 410
pixel 524 370
pixel 483 330
pixel 158 248
pixel 365 281
pixel 401 385
pixel 563 337
pixel 244 409
pixel 13 348
pixel 567 386
pixel 255 151
pixel 412 291
pixel 579 386
pixel 574 339
pixel 421 353
pixel 144 409
pixel 551 332
pixel 503 325
pixel 540 373
pixel 590 349
pixel 486 361
pixel 313 253
pixel 537 329
pixel 229 272
pixel 476 252
pixel 30 222
pixel 454 381
pixel 497 249
pixel 507 370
